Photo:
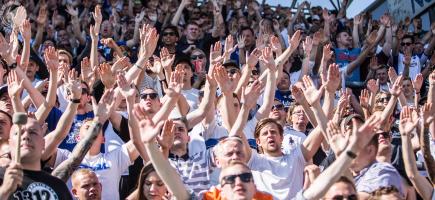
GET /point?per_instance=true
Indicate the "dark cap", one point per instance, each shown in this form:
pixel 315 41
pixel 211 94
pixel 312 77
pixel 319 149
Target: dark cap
pixel 3 90
pixel 230 63
pixel 183 59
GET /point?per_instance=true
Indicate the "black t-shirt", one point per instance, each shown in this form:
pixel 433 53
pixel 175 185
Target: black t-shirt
pixel 39 185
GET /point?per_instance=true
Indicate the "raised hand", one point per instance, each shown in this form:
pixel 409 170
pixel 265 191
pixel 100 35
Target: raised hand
pixel 51 57
pixel 317 37
pixel 25 30
pixel 333 78
pixel 275 44
pixel 392 74
pixel 374 63
pixel 363 134
pixel 364 98
pixel 109 42
pixel 42 16
pixel 307 45
pixel 251 93
pixel 385 20
pixel 166 59
pixel 106 74
pixel 105 106
pixel 139 17
pixel 127 91
pixel 373 86
pixel 408 55
pixel 312 94
pixel 407 123
pixel 166 137
pixel 121 64
pixel 222 79
pixel 358 20
pixel 20 16
pixel 327 53
pixel 336 139
pixel 396 88
pixel 73 85
pixel 371 39
pixel 267 59
pixel 418 82
pixel 146 124
pixel 86 71
pixel 229 45
pixel 297 94
pixel 14 85
pixel 93 33
pixel 13 177
pixel 425 113
pixel 241 41
pixel 216 53
pixel 4 47
pixel 175 84
pixel 253 57
pixel 72 11
pixel 98 17
pixel 295 40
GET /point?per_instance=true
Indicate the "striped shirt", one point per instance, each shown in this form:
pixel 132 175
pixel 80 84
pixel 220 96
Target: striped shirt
pixel 194 170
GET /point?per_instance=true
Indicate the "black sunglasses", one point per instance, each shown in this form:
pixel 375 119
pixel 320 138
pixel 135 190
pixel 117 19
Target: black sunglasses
pixel 383 99
pixel 406 43
pixel 254 72
pixel 341 197
pixel 168 33
pixel 231 179
pixel 195 57
pixel 150 95
pixel 201 93
pixel 278 107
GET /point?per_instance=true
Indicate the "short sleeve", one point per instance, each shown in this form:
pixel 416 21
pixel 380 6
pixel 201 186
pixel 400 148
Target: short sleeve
pixel 61 155
pixel 121 158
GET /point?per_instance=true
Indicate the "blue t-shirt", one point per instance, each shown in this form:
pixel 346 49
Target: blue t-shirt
pixel 285 97
pixel 345 56
pixel 71 139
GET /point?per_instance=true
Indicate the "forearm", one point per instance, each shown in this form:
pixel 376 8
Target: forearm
pixel 389 108
pixel 66 168
pixel 166 172
pixel 242 56
pixel 177 16
pixel 328 104
pixel 199 114
pixel 320 116
pixel 135 71
pixel 427 156
pixel 17 105
pixel 34 94
pixel 305 66
pixel 135 39
pixel 25 54
pixel 54 138
pixel 77 32
pixel 38 37
pixel 268 96
pixel 165 110
pixel 135 135
pixel 228 118
pixel 94 54
pixel 355 36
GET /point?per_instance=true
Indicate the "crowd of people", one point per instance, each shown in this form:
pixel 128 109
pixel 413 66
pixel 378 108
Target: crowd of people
pixel 219 99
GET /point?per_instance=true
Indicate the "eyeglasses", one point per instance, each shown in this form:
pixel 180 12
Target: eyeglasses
pixel 341 197
pixel 406 43
pixel 232 71
pixel 150 95
pixel 278 107
pixel 300 112
pixel 195 57
pixel 168 33
pixel 231 179
pixel 383 99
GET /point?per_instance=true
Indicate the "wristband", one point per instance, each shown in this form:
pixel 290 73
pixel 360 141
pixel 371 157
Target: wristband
pixel 75 100
pixel 141 68
pixel 351 154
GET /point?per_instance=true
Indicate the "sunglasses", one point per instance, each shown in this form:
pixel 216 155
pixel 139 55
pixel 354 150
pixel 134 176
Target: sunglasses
pixel 384 134
pixel 169 33
pixel 232 71
pixel 406 43
pixel 201 93
pixel 383 99
pixel 150 95
pixel 195 57
pixel 278 107
pixel 341 197
pixel 254 72
pixel 231 179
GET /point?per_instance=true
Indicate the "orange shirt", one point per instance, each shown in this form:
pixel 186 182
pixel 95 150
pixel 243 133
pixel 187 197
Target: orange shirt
pixel 215 194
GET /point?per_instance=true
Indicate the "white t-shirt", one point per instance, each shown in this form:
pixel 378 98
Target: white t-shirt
pixel 249 131
pixel 202 137
pixel 108 167
pixel 282 177
pixel 191 98
pixel 292 139
pixel 414 68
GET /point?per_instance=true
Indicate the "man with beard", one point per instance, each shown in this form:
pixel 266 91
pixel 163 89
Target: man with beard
pixel 169 39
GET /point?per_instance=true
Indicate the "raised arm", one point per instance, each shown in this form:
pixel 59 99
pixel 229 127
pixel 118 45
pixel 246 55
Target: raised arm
pixel 14 90
pixel 54 138
pixel 41 22
pixel 179 12
pixel 252 61
pixel 94 31
pixel 269 91
pixel 139 17
pixel 172 93
pixel 332 84
pixel 406 127
pixel 75 22
pixel 293 45
pixel 26 33
pixel 67 167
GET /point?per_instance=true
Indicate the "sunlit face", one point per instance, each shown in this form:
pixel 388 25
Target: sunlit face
pixel 187 71
pixel 169 37
pixel 240 189
pixel 278 111
pixel 5 127
pixel 31 69
pixel 270 139
pixel 149 100
pixel 298 117
pixel 86 186
pixel 384 140
pixel 64 59
pixel 32 141
pixel 192 32
pixel 383 99
pixel 407 88
pixel 233 74
pixel 232 150
pixel 153 187
pixel 344 39
pixel 284 83
pixel 382 75
pixel 340 189
pixel 181 137
pixel 249 37
pixel 106 29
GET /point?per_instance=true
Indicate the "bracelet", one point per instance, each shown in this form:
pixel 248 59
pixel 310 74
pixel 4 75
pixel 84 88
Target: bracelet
pixel 75 100
pixel 351 154
pixel 141 68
